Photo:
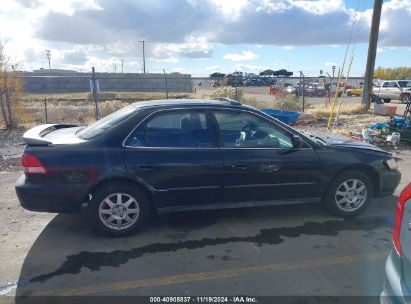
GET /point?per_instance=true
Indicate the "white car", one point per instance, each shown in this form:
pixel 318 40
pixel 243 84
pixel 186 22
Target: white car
pixel 394 90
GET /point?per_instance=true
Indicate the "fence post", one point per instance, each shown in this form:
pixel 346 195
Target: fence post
pixel 45 108
pixel 303 89
pixel 93 75
pixel 165 79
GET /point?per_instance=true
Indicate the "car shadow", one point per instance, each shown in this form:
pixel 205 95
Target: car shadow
pixel 67 245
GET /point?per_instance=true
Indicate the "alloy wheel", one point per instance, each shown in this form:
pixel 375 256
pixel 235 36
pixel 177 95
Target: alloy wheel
pixel 351 195
pixel 119 211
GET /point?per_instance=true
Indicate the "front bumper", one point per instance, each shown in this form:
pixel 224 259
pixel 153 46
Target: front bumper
pixel 389 180
pixel 49 197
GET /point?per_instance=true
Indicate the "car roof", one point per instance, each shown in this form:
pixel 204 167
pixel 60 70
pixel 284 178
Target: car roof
pixel 170 103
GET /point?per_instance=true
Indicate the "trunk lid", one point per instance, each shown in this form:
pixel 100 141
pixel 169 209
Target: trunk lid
pixel 52 134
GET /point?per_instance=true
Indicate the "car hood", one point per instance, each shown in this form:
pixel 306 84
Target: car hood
pixel 338 141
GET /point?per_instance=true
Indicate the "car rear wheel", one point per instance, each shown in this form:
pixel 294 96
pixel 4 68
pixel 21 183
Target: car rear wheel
pixel 348 194
pixel 387 100
pixel 349 94
pixel 119 210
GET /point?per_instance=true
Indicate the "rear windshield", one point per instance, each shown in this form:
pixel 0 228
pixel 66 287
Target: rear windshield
pixel 102 125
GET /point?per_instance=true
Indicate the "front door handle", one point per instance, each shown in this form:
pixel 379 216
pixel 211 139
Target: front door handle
pixel 271 167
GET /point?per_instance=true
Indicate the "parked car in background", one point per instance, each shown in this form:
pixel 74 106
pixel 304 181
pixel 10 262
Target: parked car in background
pixel 394 90
pixel 397 285
pixel 176 155
pixel 235 79
pixel 355 91
pixel 251 80
pixel 290 90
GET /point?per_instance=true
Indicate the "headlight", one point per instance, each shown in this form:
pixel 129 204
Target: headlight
pixel 391 163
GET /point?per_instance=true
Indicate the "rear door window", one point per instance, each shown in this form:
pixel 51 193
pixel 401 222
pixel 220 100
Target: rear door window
pixel 174 129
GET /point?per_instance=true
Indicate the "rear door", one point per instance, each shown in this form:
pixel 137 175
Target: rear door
pixel 175 153
pixel 260 163
pixel 393 90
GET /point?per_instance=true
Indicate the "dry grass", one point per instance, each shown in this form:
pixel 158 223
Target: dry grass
pixel 350 109
pixel 351 120
pixel 103 96
pixel 283 102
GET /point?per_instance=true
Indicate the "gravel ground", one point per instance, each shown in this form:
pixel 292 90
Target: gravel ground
pixel 11 147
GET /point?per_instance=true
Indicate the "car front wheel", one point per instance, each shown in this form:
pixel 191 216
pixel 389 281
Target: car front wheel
pixel 119 210
pixel 406 98
pixel 348 194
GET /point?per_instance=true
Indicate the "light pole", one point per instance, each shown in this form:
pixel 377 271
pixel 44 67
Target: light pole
pixel 48 55
pixel 333 67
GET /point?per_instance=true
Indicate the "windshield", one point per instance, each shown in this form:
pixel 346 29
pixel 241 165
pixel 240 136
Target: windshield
pixel 102 125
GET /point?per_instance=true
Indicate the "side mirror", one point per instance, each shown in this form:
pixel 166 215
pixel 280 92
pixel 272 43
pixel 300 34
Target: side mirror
pixel 297 142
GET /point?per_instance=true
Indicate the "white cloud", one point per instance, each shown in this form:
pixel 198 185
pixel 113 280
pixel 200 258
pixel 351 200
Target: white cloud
pixel 249 68
pixel 190 48
pixel 212 68
pixel 380 50
pixel 178 70
pixel 230 8
pixel 330 63
pixel 168 60
pixel 287 47
pixel 184 29
pixel 244 55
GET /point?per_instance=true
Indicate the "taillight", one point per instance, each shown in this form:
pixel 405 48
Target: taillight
pixel 32 164
pixel 404 197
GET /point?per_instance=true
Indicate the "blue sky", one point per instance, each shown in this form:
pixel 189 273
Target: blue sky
pixel 202 36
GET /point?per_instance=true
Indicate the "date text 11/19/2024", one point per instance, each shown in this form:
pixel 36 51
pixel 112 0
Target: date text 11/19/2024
pixel 203 299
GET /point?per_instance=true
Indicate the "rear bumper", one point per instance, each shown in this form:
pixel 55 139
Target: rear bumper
pixel 389 180
pixel 49 197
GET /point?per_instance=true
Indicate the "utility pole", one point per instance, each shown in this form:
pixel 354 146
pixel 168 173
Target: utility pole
pixel 122 66
pixel 144 57
pixel 372 52
pixel 48 55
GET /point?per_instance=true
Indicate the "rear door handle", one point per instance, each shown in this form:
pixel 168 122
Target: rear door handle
pixel 239 167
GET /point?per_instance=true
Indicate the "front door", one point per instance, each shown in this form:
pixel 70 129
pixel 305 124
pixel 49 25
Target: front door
pixel 260 163
pixel 175 153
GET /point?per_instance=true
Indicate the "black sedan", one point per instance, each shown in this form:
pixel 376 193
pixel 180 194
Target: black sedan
pixel 176 155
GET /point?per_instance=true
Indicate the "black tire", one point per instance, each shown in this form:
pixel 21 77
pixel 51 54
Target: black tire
pixel 142 204
pixel 349 94
pixel 387 100
pixel 405 98
pixel 330 195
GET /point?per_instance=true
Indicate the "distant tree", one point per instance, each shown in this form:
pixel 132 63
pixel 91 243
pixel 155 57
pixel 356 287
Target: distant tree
pixel 10 93
pixel 393 73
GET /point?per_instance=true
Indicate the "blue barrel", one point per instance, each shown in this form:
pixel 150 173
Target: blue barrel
pixel 287 117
